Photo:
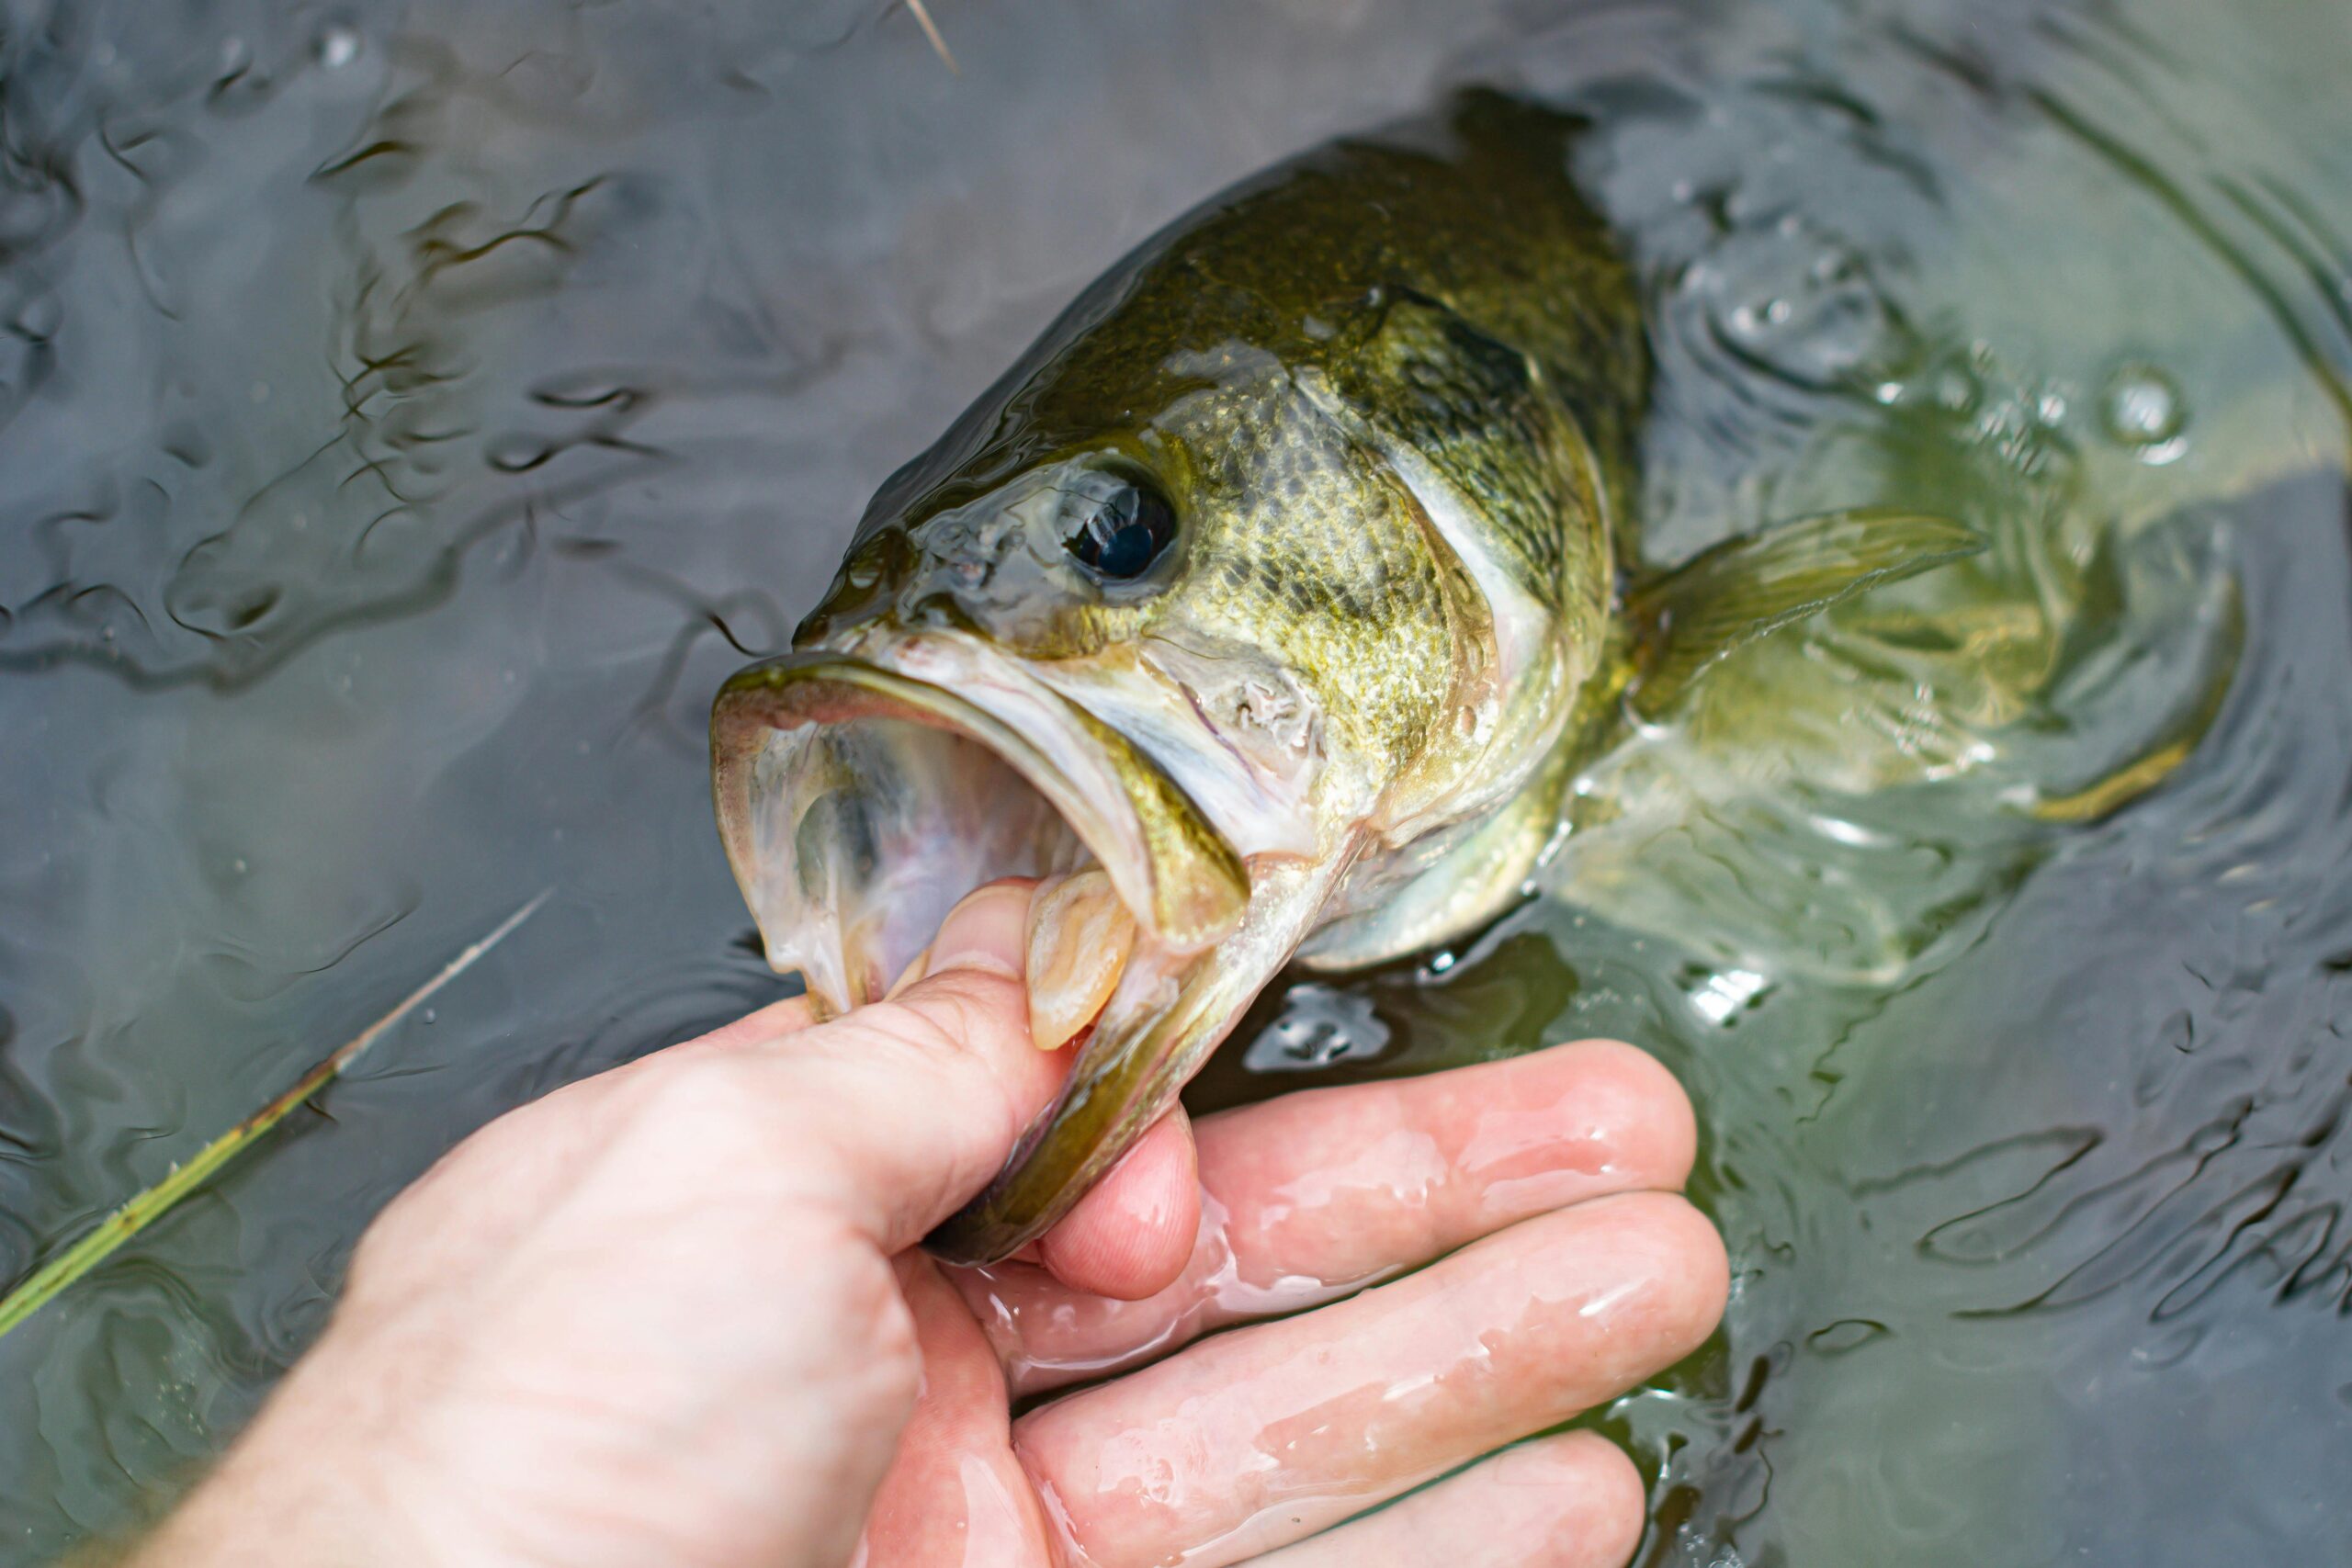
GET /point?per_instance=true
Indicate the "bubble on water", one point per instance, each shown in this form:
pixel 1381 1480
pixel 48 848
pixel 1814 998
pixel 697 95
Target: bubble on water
pixel 2141 407
pixel 338 47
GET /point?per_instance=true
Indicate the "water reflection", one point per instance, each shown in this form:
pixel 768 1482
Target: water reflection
pixel 412 413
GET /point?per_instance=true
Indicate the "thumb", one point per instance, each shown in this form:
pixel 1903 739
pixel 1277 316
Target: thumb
pixel 899 1112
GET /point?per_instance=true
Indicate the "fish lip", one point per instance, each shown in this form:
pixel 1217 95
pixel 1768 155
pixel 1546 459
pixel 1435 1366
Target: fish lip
pixel 1177 874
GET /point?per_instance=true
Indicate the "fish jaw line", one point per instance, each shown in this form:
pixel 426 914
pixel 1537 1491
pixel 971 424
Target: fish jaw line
pixel 860 793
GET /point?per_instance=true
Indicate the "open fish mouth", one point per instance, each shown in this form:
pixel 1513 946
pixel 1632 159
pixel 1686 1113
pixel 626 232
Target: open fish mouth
pixel 860 795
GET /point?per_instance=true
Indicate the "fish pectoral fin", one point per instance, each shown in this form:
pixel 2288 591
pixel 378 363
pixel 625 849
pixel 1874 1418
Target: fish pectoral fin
pixel 1686 621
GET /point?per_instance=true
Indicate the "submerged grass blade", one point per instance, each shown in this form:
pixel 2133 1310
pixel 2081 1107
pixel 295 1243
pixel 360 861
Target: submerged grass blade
pixel 931 31
pixel 144 1210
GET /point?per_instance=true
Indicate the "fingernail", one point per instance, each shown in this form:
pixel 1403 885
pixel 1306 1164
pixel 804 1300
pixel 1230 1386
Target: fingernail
pixel 987 930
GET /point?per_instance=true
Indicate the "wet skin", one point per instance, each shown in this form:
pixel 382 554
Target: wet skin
pixel 630 1323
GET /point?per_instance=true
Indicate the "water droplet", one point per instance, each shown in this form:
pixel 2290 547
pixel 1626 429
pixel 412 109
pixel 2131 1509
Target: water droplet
pixel 338 47
pixel 2141 407
pixel 430 1015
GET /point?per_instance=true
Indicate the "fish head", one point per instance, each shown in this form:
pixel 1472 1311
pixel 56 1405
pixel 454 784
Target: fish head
pixel 1188 646
pixel 1186 596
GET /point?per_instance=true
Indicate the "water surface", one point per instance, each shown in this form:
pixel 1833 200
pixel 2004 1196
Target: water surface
pixel 410 412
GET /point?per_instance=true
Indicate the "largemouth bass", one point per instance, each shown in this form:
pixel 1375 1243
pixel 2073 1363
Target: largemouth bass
pixel 1278 592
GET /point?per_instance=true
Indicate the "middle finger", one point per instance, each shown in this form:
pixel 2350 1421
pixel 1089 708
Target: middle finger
pixel 1307 1198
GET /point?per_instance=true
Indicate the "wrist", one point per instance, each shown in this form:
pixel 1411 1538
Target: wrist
pixel 305 1485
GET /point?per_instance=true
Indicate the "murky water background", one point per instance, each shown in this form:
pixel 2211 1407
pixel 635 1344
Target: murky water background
pixel 409 413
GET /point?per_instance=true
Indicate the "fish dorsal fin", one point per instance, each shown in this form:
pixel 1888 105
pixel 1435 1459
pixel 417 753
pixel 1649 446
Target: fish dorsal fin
pixel 1724 598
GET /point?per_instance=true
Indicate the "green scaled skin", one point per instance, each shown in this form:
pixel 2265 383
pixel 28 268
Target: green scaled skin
pixel 1280 578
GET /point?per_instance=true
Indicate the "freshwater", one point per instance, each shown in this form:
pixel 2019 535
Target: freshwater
pixel 410 414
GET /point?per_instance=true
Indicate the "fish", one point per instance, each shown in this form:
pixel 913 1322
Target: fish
pixel 1268 608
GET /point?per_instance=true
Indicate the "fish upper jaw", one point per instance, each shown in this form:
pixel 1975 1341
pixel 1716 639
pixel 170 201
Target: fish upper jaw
pixel 861 791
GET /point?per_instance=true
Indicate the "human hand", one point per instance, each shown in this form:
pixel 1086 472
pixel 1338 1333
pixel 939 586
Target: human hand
pixel 670 1315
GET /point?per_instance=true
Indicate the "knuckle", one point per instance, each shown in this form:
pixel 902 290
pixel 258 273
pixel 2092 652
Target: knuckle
pixel 969 1012
pixel 931 1024
pixel 711 1116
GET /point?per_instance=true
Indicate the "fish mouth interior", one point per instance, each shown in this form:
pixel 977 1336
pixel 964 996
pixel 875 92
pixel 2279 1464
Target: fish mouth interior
pixel 859 805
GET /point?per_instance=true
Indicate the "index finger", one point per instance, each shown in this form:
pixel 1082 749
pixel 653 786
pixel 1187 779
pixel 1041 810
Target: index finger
pixel 886 1118
pixel 1307 1198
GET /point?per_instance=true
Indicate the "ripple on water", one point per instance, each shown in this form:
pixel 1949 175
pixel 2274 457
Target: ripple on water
pixel 405 408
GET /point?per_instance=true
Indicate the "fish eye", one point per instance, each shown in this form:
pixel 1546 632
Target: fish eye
pixel 1119 527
